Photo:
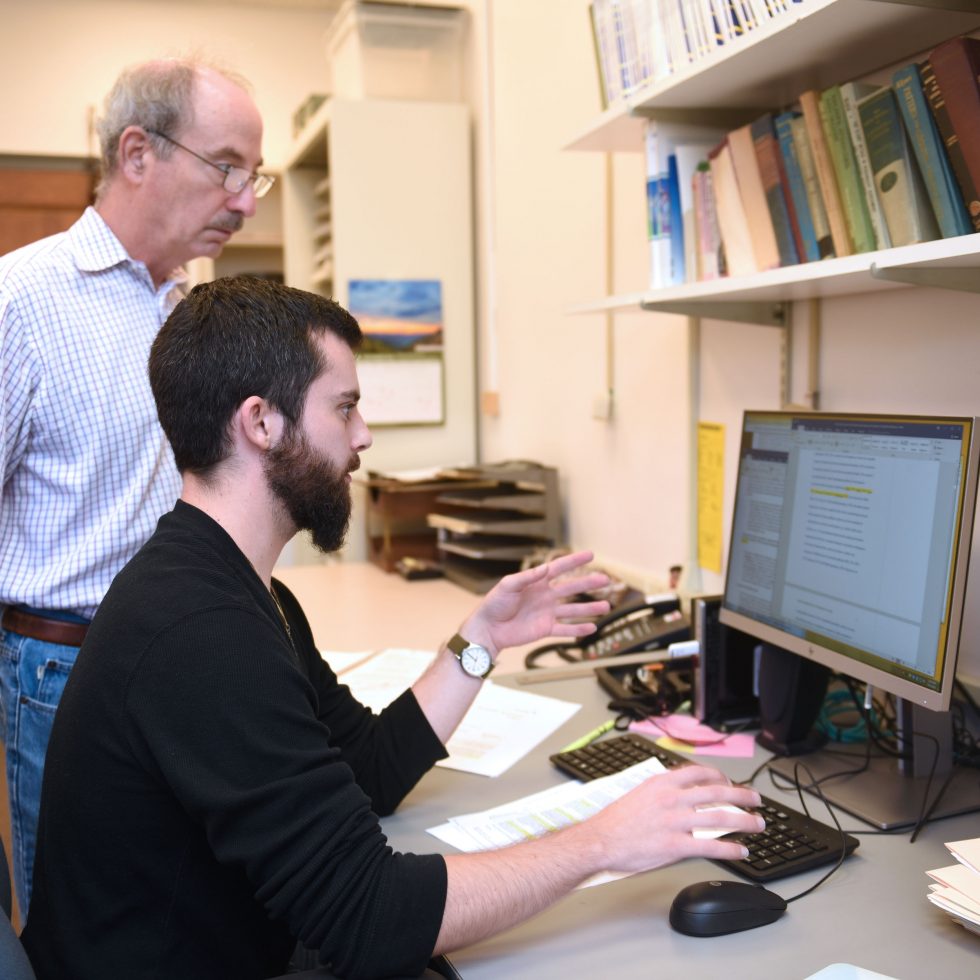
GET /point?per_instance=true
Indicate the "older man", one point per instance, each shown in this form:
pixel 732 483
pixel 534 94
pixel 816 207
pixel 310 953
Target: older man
pixel 86 469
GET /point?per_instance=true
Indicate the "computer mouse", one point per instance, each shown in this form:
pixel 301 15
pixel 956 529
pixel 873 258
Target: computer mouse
pixel 714 908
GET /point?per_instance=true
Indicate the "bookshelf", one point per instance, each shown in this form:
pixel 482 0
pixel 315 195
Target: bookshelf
pixel 825 42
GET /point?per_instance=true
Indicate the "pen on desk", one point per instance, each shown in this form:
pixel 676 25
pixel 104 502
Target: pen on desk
pixel 589 737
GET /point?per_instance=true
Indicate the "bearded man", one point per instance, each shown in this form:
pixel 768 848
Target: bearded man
pixel 212 791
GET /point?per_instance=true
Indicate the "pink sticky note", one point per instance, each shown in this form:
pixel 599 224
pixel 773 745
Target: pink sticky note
pixel 684 733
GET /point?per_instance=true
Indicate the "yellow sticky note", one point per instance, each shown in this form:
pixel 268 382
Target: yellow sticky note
pixel 711 479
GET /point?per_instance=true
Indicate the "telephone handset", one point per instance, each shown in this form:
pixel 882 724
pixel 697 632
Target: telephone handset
pixel 651 624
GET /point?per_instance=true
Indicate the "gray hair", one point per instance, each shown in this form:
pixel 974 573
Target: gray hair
pixel 156 95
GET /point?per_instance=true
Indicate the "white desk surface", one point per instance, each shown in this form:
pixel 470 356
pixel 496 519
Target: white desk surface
pixel 872 913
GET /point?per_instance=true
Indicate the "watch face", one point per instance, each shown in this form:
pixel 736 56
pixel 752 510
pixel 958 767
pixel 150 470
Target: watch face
pixel 475 660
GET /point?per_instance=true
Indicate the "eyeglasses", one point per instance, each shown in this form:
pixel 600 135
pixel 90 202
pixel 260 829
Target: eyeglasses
pixel 235 177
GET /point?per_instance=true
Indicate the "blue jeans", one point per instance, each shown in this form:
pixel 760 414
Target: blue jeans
pixel 32 678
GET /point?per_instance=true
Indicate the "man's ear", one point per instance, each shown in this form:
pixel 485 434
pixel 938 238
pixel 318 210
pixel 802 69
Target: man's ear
pixel 134 145
pixel 259 423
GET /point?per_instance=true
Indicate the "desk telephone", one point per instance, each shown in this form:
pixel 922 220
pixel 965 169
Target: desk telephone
pixel 651 624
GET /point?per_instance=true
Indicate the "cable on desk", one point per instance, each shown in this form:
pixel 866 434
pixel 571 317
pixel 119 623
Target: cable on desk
pixel 843 839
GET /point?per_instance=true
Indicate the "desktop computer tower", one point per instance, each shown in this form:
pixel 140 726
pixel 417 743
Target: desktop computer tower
pixel 725 680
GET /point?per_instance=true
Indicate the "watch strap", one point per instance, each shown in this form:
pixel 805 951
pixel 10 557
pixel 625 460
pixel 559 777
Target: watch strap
pixel 457 644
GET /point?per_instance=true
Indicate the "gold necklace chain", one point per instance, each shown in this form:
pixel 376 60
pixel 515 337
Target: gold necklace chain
pixel 279 609
pixel 282 615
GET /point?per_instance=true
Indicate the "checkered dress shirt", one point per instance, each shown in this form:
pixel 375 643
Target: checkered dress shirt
pixel 86 468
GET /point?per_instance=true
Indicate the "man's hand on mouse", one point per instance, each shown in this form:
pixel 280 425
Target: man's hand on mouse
pixel 655 823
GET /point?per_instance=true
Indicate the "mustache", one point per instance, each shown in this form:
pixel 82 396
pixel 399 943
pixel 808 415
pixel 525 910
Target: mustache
pixel 229 222
pixel 354 464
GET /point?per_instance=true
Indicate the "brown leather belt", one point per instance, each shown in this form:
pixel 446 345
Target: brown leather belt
pixel 43 628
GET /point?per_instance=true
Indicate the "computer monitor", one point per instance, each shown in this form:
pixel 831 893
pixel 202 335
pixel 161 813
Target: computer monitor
pixel 850 545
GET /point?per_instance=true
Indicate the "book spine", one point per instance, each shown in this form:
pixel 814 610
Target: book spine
pixel 597 48
pixel 849 98
pixel 711 254
pixel 620 46
pixel 732 223
pixel 845 166
pixel 749 180
pixel 903 198
pixel 808 248
pixel 655 42
pixel 675 223
pixel 826 177
pixel 783 220
pixel 689 157
pixel 818 213
pixel 927 144
pixel 658 212
pixel 958 173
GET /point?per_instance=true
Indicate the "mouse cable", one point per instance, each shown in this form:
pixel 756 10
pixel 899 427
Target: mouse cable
pixel 796 784
pixel 843 840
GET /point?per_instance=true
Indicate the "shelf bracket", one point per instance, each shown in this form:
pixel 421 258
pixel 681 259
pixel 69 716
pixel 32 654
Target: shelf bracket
pixel 963 279
pixel 765 314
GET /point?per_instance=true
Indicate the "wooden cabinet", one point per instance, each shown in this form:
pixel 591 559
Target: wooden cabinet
pixel 41 201
pixel 488 530
pixel 397 517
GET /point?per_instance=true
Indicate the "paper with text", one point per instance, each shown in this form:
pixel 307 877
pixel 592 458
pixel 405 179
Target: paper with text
pixel 500 728
pixel 551 809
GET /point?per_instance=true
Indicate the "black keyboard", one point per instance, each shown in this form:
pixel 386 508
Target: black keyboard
pixel 791 843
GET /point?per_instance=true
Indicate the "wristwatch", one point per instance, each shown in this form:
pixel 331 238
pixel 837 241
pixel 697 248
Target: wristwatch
pixel 473 658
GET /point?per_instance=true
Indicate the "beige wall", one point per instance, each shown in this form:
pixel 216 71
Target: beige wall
pixel 540 216
pixel 627 482
pixel 59 57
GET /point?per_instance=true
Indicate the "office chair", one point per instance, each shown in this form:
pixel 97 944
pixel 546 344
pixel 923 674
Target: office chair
pixel 14 964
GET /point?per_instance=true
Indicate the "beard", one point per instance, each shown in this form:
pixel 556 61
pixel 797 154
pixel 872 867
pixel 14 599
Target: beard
pixel 314 491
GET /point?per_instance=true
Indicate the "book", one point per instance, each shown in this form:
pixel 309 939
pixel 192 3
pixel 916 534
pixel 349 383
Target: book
pixel 597 46
pixel 651 20
pixel 689 157
pixel 733 225
pixel 896 175
pixel 611 84
pixel 818 213
pixel 826 175
pixel 851 93
pixel 748 177
pixel 672 24
pixel 775 183
pixel 678 271
pixel 658 208
pixel 710 251
pixel 845 167
pixel 808 248
pixel 664 206
pixel 956 64
pixel 935 165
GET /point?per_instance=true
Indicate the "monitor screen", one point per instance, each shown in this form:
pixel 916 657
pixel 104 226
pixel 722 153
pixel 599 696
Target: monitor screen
pixel 850 547
pixel 850 543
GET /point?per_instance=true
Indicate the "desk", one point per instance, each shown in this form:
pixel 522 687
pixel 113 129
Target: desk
pixel 357 606
pixel 873 912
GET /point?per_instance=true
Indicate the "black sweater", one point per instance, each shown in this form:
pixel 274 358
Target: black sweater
pixel 211 790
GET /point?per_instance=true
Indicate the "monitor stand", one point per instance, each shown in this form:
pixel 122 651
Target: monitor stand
pixel 889 794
